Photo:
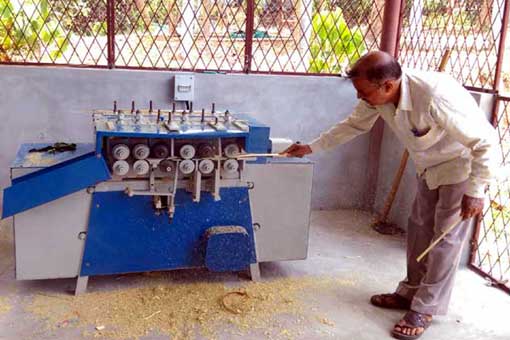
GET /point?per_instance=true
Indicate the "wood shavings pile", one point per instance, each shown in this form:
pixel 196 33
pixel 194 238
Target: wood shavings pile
pixel 37 159
pixel 188 310
pixel 5 307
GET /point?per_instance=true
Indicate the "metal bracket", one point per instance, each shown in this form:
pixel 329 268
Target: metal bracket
pixel 197 184
pixel 130 192
pixel 81 285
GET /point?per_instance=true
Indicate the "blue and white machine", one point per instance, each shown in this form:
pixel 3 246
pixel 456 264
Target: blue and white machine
pixel 158 192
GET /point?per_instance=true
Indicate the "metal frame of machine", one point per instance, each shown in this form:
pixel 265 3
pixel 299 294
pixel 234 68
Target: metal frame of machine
pixel 160 190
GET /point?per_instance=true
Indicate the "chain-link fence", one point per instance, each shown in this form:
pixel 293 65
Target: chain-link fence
pixel 491 245
pixel 270 36
pixel 316 36
pixel 292 36
pixel 471 29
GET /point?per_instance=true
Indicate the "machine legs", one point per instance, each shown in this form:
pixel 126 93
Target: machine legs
pixel 255 272
pixel 81 285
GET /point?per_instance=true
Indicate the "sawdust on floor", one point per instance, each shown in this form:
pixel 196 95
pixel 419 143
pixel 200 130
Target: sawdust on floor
pixel 188 310
pixel 5 307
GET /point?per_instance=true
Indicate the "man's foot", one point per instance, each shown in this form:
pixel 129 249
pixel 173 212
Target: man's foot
pixel 391 301
pixel 411 326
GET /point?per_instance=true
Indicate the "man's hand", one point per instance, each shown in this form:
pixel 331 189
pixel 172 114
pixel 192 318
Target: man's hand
pixel 471 206
pixel 297 150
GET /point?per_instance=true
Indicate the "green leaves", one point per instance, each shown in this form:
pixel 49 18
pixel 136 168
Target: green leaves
pixel 29 31
pixel 333 44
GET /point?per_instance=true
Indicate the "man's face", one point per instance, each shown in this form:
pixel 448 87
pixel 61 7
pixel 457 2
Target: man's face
pixel 372 93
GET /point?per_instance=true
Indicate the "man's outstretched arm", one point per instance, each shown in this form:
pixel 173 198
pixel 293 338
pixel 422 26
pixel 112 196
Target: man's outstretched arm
pixel 360 121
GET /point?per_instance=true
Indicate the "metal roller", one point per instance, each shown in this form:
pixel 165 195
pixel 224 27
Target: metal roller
pixel 205 151
pixel 231 150
pixel 141 151
pixel 187 167
pixel 141 167
pixel 166 166
pixel 160 151
pixel 230 165
pixel 120 168
pixel 187 151
pixel 120 152
pixel 206 166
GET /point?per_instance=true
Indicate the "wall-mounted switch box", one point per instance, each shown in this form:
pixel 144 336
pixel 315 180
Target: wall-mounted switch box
pixel 184 87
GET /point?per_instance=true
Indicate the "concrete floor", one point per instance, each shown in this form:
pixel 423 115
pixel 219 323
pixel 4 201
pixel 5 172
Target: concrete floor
pixel 341 244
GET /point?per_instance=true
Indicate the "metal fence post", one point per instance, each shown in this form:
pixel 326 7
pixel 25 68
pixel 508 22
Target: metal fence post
pixel 110 31
pixel 501 45
pixel 389 43
pixel 248 47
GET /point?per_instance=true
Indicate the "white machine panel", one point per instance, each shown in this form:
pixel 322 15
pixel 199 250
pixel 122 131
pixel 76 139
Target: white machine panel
pixel 48 243
pixel 280 205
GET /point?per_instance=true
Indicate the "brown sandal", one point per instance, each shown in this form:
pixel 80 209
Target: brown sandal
pixel 391 301
pixel 412 320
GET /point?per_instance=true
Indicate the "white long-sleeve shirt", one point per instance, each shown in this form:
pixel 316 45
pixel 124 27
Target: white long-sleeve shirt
pixel 447 135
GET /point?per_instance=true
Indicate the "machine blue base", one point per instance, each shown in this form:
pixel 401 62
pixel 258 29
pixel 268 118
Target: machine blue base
pixel 135 239
pixel 226 249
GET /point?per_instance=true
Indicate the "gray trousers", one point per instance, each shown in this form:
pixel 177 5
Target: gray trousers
pixel 429 283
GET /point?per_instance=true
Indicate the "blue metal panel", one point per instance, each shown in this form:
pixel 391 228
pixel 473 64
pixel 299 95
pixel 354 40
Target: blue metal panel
pixel 53 182
pixel 258 142
pixel 228 250
pixel 125 235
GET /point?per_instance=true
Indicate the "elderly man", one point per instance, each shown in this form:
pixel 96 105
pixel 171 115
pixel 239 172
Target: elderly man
pixel 452 145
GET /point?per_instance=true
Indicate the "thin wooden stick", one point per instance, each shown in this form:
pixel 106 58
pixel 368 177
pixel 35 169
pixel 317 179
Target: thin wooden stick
pixel 250 155
pixel 433 244
pixel 150 316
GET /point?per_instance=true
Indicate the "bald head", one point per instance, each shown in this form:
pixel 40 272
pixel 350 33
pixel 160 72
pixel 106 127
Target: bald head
pixel 376 67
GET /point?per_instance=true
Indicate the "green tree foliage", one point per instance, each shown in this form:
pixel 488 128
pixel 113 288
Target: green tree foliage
pixel 27 30
pixel 333 44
